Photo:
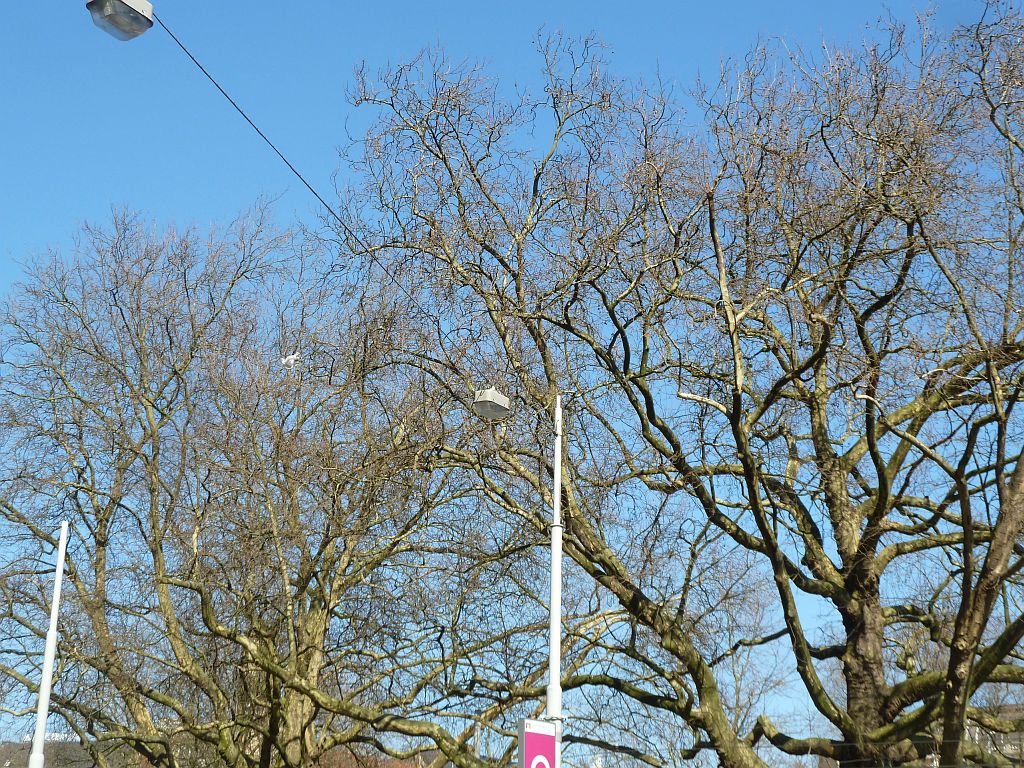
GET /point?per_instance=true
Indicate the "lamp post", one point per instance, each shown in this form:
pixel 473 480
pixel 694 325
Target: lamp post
pixel 123 19
pixel 35 759
pixel 554 702
pixel 494 406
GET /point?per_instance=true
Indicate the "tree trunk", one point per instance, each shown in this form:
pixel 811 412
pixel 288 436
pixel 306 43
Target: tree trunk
pixel 863 669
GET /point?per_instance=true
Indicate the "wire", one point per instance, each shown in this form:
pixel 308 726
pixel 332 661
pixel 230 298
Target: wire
pixel 345 227
pixel 255 127
pixel 446 333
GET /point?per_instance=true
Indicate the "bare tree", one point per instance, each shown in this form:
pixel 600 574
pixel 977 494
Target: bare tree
pixel 246 582
pixel 792 339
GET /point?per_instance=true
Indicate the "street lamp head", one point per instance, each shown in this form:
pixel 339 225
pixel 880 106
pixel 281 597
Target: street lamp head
pixel 123 19
pixel 490 404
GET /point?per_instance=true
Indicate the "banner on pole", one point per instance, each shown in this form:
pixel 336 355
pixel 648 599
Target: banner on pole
pixel 537 744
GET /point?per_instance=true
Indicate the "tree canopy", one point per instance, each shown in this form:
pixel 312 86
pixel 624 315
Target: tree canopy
pixel 786 318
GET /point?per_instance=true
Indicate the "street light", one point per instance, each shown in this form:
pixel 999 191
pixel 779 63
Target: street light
pixel 490 404
pixel 123 19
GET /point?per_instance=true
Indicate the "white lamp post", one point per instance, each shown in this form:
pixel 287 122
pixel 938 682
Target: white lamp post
pixel 35 759
pixel 492 405
pixel 555 619
pixel 124 19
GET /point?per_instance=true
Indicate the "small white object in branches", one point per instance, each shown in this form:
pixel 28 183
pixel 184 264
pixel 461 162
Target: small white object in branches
pixel 288 363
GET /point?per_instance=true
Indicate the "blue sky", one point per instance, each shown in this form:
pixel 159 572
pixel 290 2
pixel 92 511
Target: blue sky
pixel 88 123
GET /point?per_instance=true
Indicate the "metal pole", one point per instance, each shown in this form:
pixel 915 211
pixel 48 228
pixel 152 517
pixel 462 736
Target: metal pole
pixel 35 759
pixel 554 698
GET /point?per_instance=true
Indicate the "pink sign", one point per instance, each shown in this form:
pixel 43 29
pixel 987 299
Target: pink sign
pixel 537 744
